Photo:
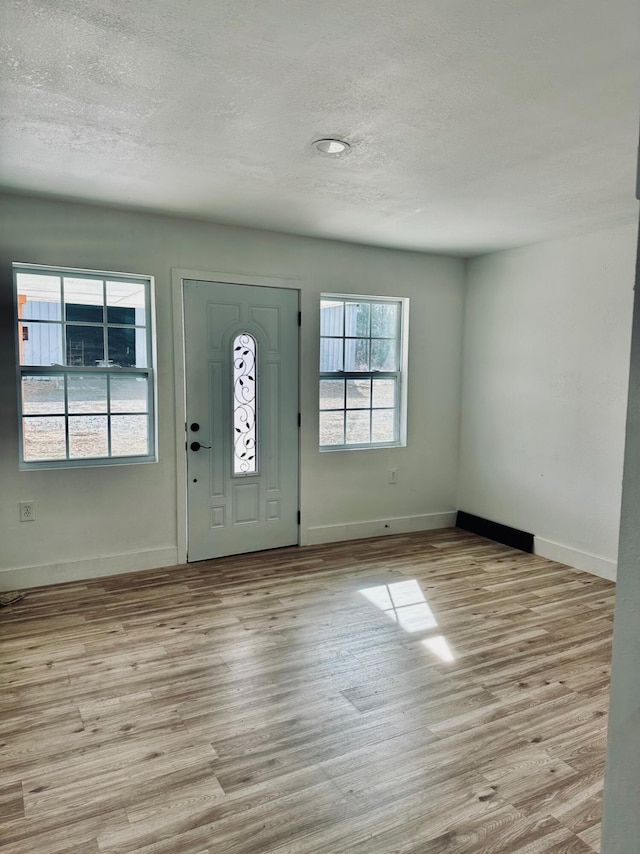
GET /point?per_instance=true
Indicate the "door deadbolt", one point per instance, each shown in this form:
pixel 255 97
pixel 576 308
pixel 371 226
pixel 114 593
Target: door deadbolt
pixel 194 427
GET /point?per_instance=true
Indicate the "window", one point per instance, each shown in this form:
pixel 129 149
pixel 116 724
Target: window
pixel 361 357
pixel 85 367
pixel 245 350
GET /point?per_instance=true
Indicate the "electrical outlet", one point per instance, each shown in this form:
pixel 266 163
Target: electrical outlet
pixel 27 511
pixel 393 475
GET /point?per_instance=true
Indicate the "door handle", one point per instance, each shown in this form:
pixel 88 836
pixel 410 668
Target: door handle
pixel 195 446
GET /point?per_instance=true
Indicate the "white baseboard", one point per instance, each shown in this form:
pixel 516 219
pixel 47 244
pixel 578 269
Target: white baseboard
pixel 377 528
pixel 24 577
pixel 601 566
pixel 82 570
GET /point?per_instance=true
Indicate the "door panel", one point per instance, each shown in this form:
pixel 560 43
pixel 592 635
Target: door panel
pixel 230 512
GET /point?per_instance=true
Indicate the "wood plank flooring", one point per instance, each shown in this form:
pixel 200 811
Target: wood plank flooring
pixel 265 705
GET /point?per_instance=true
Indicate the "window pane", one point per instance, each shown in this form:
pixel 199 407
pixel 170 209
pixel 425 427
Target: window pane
pixel 85 346
pixel 359 394
pixel 384 393
pixel 129 394
pixel 356 319
pixel 127 347
pixel 383 355
pixel 358 430
pixel 384 320
pixel 83 295
pixel 330 355
pixel 87 393
pixel 245 354
pixel 356 354
pixel 88 436
pixel 43 395
pixel 383 425
pixel 43 439
pixel 126 303
pixel 331 428
pixel 331 317
pixel 75 313
pixel 38 296
pixel 331 394
pixel 129 435
pixel 40 343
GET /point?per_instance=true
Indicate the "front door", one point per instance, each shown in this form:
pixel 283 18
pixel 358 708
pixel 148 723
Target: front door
pixel 241 357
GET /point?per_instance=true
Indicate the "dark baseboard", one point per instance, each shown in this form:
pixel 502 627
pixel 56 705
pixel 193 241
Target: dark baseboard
pixel 494 531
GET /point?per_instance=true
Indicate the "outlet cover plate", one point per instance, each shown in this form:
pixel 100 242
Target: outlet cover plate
pixel 27 511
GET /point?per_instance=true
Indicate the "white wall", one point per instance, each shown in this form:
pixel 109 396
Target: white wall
pixel 103 520
pixel 546 353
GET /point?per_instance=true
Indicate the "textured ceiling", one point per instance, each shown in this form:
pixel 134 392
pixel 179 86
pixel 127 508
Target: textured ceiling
pixel 474 124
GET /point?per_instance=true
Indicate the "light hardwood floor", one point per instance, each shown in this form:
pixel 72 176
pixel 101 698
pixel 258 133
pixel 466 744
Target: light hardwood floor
pixel 264 705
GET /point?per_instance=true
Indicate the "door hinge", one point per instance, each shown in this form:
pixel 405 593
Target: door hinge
pixel 298 517
pixel 299 318
pixel 299 420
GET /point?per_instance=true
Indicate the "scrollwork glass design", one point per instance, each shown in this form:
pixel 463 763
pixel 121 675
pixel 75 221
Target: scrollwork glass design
pixel 245 351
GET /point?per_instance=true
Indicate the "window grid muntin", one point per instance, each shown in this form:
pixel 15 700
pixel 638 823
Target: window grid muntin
pixel 108 414
pixel 371 374
pixel 67 273
pixel 25 370
pixel 371 409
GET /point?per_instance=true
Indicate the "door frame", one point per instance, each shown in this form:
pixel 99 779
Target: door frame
pixel 178 275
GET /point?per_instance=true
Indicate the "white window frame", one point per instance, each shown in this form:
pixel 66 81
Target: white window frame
pixel 66 371
pixel 400 375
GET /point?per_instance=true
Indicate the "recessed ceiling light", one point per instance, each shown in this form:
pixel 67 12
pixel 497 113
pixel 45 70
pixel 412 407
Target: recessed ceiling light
pixel 331 147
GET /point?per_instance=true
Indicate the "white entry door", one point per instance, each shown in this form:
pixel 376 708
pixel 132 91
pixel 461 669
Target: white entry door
pixel 241 352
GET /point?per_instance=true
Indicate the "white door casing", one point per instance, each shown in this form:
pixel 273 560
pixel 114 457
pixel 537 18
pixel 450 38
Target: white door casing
pixel 230 511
